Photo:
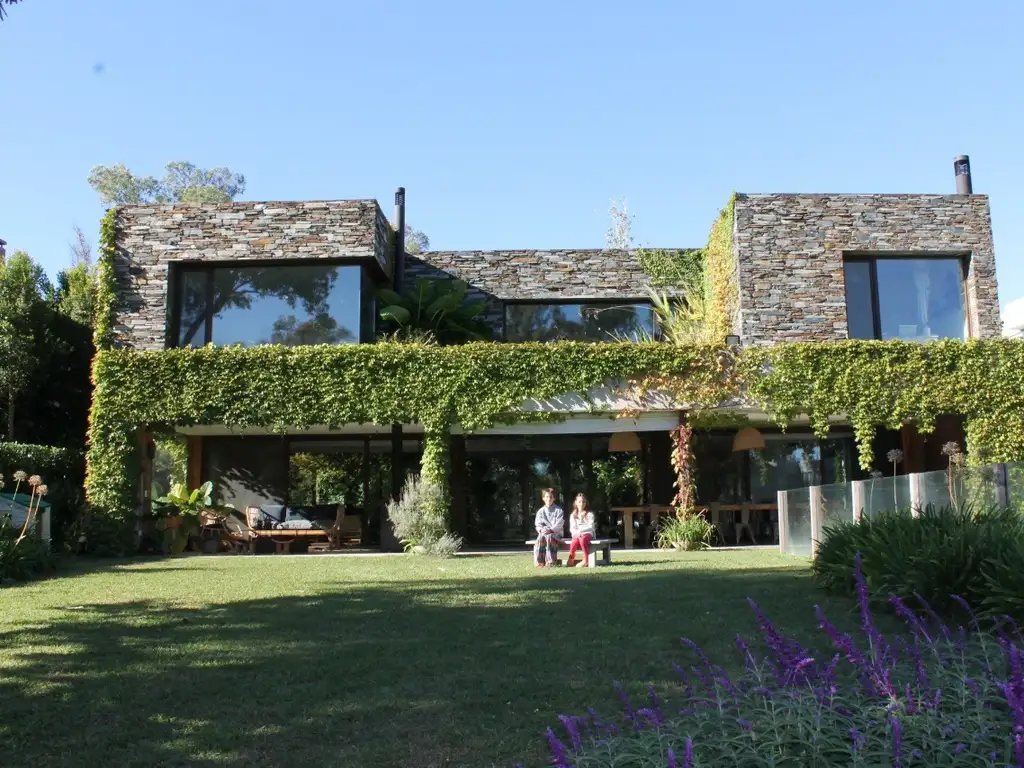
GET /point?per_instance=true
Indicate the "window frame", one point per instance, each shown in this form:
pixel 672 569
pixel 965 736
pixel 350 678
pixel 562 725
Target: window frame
pixel 570 300
pixel 177 270
pixel 872 258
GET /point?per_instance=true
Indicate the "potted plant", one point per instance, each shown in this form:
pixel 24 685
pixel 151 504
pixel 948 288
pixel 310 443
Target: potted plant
pixel 186 512
pixel 686 533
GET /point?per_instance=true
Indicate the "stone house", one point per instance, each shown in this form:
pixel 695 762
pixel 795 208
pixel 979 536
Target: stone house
pixel 808 267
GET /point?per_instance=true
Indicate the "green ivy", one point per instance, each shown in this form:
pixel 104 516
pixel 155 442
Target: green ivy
pixel 873 384
pixel 888 383
pixel 106 282
pixel 474 385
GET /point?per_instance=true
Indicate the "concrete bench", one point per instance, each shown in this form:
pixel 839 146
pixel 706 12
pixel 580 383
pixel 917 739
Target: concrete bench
pixel 604 546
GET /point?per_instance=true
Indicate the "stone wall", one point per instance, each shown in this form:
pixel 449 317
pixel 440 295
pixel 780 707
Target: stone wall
pixel 498 276
pixel 150 237
pixel 789 251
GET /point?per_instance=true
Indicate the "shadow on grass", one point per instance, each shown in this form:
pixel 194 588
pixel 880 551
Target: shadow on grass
pixel 415 673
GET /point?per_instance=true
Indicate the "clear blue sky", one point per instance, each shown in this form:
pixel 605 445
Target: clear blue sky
pixel 513 124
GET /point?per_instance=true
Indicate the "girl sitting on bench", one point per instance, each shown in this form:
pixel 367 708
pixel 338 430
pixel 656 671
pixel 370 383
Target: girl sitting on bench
pixel 581 527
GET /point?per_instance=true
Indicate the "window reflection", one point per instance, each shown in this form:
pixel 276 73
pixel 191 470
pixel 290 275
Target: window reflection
pixel 578 322
pixel 917 299
pixel 920 299
pixel 288 305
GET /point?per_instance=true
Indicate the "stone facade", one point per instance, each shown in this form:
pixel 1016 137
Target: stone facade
pixel 151 237
pixel 498 276
pixel 789 250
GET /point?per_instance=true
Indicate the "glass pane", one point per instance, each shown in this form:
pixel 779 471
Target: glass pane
pixel 192 320
pixel 291 305
pixel 921 299
pixel 798 523
pixel 859 300
pixel 578 322
pixel 783 465
pixel 495 509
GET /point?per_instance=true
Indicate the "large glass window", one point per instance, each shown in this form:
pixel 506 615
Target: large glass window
pixel 911 299
pixel 290 305
pixel 590 321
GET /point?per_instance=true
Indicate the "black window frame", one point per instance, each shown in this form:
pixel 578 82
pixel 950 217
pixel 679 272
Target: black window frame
pixel 872 259
pixel 178 269
pixel 569 300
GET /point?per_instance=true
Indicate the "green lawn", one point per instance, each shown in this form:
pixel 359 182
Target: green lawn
pixel 358 661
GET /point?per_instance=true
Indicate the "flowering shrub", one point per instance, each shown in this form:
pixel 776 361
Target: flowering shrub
pixel 975 553
pixel 936 695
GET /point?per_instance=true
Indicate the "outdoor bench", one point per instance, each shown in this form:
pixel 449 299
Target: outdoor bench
pixel 604 546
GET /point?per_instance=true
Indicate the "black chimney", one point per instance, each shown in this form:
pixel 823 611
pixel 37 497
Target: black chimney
pixel 399 277
pixel 962 171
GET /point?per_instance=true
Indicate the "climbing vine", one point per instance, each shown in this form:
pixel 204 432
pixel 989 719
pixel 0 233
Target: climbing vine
pixel 721 291
pixel 682 463
pixel 106 299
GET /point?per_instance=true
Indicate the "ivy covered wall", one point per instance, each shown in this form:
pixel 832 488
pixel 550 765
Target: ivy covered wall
pixel 871 384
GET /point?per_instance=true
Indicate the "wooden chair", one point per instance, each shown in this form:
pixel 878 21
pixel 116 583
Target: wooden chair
pixel 744 525
pixel 238 534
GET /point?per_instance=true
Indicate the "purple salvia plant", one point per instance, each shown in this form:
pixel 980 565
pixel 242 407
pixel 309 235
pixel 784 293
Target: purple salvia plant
pixel 574 733
pixel 688 753
pixel 559 752
pixel 1018 748
pixel 672 759
pixel 897 742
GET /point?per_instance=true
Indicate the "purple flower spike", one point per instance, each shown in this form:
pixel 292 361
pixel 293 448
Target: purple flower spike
pixel 559 753
pixel 688 753
pixel 574 733
pixel 1018 747
pixel 897 742
pixel 672 759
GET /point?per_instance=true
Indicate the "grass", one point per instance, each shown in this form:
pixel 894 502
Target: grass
pixel 352 661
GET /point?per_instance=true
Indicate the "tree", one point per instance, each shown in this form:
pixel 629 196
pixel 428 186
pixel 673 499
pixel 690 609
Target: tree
pixel 415 241
pixel 22 287
pixel 182 182
pixel 3 13
pixel 76 286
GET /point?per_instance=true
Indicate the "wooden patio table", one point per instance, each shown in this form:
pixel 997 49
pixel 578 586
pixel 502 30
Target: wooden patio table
pixel 627 518
pixel 291 534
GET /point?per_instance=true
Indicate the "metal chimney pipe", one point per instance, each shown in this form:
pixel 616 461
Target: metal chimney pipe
pixel 962 172
pixel 3 252
pixel 399 277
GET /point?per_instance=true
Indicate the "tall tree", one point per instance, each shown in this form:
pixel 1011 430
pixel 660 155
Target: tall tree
pixel 415 241
pixel 23 284
pixel 182 182
pixel 76 285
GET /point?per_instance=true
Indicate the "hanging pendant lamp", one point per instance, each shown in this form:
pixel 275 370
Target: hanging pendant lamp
pixel 748 439
pixel 624 442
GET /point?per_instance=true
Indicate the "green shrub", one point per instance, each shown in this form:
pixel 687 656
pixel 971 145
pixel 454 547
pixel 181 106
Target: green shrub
pixel 692 532
pixel 420 519
pixel 101 535
pixel 969 552
pixel 63 471
pixel 24 559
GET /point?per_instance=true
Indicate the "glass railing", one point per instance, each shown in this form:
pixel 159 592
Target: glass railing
pixel 806 513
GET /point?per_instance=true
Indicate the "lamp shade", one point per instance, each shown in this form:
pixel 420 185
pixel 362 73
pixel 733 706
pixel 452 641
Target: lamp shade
pixel 624 442
pixel 748 439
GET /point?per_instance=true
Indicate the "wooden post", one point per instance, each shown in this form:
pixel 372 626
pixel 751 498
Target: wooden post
pixel 457 484
pixel 783 502
pixel 817 515
pixel 857 500
pixel 194 472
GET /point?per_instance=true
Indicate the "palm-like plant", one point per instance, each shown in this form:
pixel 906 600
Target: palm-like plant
pixel 437 307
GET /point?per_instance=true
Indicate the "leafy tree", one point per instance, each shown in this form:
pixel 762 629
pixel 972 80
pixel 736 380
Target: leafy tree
pixel 22 287
pixel 182 182
pixel 76 293
pixel 415 241
pixel 321 329
pixel 437 307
